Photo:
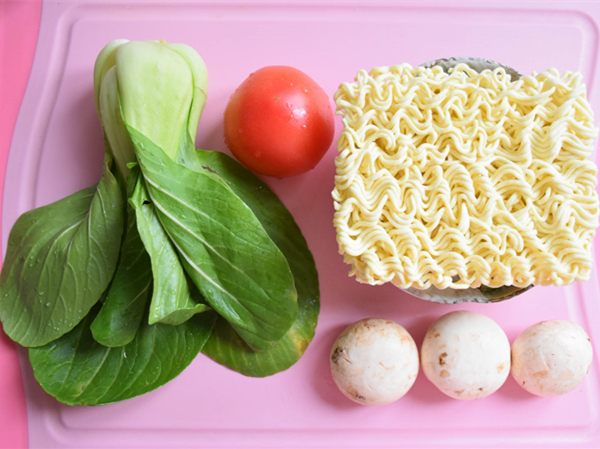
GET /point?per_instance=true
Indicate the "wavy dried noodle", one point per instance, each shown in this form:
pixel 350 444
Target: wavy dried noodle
pixel 465 179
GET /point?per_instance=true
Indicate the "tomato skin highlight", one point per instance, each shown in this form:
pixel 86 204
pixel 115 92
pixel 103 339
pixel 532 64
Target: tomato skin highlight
pixel 279 122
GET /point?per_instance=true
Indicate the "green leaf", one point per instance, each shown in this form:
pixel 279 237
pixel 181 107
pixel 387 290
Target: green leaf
pixel 222 245
pixel 172 302
pixel 77 370
pixel 224 345
pixel 60 259
pixel 128 294
pixel 129 291
pixel 194 305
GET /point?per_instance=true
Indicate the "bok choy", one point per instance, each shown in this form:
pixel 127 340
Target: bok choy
pixel 174 252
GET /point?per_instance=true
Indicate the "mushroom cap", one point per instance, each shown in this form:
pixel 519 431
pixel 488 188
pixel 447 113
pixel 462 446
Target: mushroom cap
pixel 551 358
pixel 466 355
pixel 374 361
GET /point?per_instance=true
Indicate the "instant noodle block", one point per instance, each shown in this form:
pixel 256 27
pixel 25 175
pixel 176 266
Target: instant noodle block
pixel 465 179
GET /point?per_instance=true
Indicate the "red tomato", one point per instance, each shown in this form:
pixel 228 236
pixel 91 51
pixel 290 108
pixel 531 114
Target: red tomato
pixel 279 122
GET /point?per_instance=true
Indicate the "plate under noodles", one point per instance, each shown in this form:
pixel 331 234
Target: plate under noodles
pixel 468 185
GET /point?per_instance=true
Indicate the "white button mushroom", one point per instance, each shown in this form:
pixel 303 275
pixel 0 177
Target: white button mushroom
pixel 374 361
pixel 551 358
pixel 466 355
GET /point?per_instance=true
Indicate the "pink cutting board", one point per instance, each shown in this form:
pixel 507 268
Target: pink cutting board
pixel 57 149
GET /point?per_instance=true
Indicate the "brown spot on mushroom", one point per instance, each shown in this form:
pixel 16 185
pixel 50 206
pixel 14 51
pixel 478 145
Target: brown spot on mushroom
pixel 441 359
pixel 336 354
pixel 445 373
pixel 540 374
pixel 353 392
pixel 436 335
pixel 385 367
pixel 500 368
pixel 364 331
pixel 458 392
